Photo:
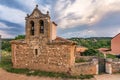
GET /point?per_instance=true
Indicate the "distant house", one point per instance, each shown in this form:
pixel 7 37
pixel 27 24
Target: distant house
pixel 115 44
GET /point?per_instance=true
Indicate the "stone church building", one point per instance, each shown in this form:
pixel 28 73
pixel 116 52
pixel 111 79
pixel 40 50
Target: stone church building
pixel 42 49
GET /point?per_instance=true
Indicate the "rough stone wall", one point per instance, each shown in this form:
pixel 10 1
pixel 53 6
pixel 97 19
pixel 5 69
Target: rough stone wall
pixel 85 68
pixel 112 66
pixel 45 35
pixel 52 57
pixel 115 67
pixel 86 58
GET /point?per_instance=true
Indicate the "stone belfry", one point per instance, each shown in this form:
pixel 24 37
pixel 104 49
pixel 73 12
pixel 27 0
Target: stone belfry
pixel 39 26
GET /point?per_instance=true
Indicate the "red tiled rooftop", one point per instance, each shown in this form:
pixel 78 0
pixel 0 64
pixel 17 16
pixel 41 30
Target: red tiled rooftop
pixel 62 39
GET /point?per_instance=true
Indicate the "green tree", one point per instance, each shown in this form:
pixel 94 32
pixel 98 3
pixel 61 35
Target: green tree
pixel 6 45
pixel 20 37
pixel 93 43
pixel 90 52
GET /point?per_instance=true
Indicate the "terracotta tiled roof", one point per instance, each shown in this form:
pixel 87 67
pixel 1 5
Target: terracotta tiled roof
pixel 61 39
pixel 22 41
pixel 81 49
pixel 104 50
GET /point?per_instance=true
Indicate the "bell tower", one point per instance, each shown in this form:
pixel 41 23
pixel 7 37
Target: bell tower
pixel 38 25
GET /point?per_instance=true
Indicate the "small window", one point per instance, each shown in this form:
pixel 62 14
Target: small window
pixel 36 52
pixel 41 26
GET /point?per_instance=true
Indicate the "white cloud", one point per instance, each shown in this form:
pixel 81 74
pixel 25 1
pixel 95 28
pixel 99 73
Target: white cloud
pixel 84 33
pixel 6 35
pixel 110 31
pixel 68 13
pixel 18 16
pixel 79 12
pixel 12 15
pixel 30 4
pixel 4 26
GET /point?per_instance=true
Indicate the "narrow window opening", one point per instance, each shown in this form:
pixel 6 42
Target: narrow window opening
pixel 36 52
pixel 32 28
pixel 41 26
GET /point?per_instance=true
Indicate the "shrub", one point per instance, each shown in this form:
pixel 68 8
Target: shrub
pixel 92 52
pixel 110 56
pixel 20 37
pixel 80 60
pixel 6 45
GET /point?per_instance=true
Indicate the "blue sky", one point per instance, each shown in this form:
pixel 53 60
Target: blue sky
pixel 75 18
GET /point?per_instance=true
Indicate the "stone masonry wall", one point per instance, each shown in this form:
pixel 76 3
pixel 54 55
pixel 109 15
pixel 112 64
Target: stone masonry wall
pixel 85 68
pixel 57 58
pixel 112 66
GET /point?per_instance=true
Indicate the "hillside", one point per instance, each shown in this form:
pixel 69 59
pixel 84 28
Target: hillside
pixel 93 42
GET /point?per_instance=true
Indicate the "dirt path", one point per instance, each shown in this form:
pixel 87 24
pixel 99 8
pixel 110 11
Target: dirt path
pixel 11 76
pixel 108 77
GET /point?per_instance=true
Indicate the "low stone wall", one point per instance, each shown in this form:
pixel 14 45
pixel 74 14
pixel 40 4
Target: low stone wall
pixel 86 58
pixel 85 68
pixel 112 65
